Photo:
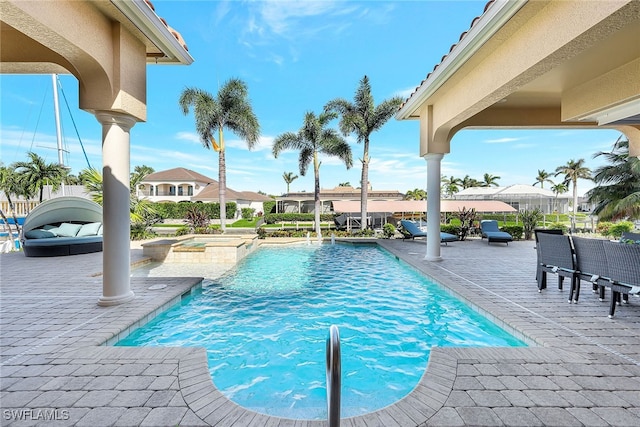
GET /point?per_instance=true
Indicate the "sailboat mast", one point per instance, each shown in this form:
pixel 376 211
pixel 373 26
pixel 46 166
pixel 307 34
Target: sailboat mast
pixel 56 107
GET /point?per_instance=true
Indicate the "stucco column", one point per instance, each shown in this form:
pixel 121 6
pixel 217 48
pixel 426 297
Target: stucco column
pixel 433 206
pixel 116 288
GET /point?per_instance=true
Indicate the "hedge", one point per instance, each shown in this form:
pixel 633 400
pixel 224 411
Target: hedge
pixel 179 210
pixel 293 217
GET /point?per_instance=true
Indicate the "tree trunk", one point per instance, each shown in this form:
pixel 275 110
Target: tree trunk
pixel 316 171
pixel 364 185
pixel 6 221
pixel 222 184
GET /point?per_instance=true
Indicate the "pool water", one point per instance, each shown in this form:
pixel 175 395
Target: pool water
pixel 264 325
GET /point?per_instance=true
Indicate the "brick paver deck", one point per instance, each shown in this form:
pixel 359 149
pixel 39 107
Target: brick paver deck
pixel 581 368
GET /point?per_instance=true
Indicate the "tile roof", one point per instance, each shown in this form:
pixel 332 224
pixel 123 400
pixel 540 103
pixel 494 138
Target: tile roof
pixel 175 33
pixel 453 46
pixel 178 174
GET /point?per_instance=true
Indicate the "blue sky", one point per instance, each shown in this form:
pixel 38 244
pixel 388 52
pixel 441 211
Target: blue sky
pixel 294 57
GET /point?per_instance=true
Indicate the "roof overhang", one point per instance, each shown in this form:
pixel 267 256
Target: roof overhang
pixel 536 64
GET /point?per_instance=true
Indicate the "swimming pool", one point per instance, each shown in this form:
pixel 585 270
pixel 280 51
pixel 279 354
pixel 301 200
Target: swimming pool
pixel 265 322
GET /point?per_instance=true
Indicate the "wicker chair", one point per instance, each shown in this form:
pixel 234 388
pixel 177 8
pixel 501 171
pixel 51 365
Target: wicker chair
pixel 537 247
pixel 624 271
pixel 591 263
pixel 556 256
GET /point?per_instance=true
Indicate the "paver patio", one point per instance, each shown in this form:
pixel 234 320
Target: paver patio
pixel 581 368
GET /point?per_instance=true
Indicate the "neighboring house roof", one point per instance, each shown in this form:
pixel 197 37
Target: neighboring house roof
pixel 178 174
pixel 517 190
pixel 210 194
pixel 342 192
pixel 353 206
pixel 255 197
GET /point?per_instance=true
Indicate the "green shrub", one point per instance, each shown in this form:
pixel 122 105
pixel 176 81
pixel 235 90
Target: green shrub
pixel 293 217
pixel 182 231
pixel 389 230
pixel 515 231
pixel 179 210
pixel 530 219
pixel 603 227
pixel 558 226
pixel 247 213
pixel 269 207
pixel 620 227
pixel 450 228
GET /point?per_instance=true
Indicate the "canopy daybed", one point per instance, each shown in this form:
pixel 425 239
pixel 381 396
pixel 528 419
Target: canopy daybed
pixel 62 226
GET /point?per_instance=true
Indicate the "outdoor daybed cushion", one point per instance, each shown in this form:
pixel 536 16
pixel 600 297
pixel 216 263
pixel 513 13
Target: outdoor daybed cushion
pixel 66 239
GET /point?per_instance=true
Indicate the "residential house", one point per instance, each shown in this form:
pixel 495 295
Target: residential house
pixel 185 185
pixel 520 196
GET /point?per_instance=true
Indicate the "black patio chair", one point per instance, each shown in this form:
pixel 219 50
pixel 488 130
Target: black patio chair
pixel 624 271
pixel 556 256
pixel 591 263
pixel 537 247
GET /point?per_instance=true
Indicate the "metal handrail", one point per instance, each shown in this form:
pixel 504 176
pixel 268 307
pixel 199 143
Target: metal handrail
pixel 333 377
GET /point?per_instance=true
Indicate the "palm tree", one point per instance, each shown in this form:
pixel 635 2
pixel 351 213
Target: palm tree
pixel 451 185
pixel 10 186
pixel 35 173
pixel 557 190
pixel 230 109
pixel 138 175
pixel 416 194
pixel 289 177
pixel 490 180
pixel 468 182
pixel 617 194
pixel 573 171
pixel 543 176
pixel 344 184
pixel 362 117
pixel 311 140
pixel 139 209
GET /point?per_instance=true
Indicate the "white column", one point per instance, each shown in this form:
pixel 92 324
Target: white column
pixel 433 206
pixel 116 288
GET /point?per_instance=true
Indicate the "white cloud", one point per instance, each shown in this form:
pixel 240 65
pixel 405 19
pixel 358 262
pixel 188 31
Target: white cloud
pixel 265 142
pixel 189 136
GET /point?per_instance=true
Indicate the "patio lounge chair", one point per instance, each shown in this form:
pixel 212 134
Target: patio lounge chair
pixel 491 231
pixel 624 271
pixel 556 256
pixel 410 230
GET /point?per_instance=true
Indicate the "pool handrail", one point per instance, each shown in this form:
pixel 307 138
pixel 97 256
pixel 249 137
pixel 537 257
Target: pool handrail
pixel 333 377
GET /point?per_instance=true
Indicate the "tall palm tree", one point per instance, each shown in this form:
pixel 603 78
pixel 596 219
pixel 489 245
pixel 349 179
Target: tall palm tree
pixel 35 173
pixel 573 171
pixel 230 109
pixel 617 193
pixel 362 117
pixel 289 177
pixel 311 140
pixel 416 194
pixel 543 176
pixel 490 180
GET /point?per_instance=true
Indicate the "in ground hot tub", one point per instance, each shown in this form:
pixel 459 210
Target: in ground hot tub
pixel 197 248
